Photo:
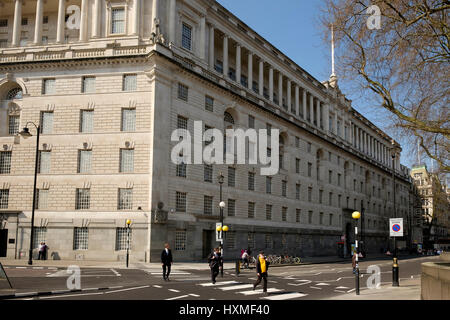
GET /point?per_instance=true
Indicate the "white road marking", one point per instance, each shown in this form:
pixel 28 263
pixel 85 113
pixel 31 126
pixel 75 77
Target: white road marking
pixel 340 291
pixel 238 287
pixel 174 290
pixel 271 281
pixel 285 296
pixel 342 288
pixel 304 282
pixel 116 273
pixel 217 283
pixel 26 294
pixel 258 291
pixel 171 273
pixel 21 267
pixel 72 295
pixel 38 268
pixel 128 289
pixel 322 284
pixel 184 296
pixel 351 290
pixel 156 286
pixel 316 288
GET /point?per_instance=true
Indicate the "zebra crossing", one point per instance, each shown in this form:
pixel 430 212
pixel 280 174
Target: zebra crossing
pixel 246 289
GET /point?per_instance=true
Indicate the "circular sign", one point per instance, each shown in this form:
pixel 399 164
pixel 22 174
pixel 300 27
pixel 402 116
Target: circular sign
pixel 396 227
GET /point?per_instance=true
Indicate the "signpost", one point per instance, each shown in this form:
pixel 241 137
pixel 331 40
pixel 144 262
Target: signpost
pixel 395 230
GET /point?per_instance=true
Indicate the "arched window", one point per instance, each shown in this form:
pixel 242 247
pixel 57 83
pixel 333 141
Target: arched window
pixel 15 93
pixel 228 118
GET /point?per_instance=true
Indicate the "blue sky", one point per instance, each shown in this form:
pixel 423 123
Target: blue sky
pixel 293 27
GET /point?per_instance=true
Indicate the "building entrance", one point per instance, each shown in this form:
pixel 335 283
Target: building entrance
pixel 3 242
pixel 207 242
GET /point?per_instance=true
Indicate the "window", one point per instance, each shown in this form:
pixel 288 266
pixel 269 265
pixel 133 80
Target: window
pixel 181 170
pixel 297 191
pixel 339 200
pixel 321 218
pixel 309 145
pixel 339 179
pixel 186 37
pixel 180 201
pixel 24 21
pixel 44 162
pixel 125 199
pixel 231 207
pixel 5 162
pixel 84 161
pixel 268 212
pixel 129 82
pixel 23 42
pixel 284 213
pixel 284 188
pixel 268 241
pixel 87 121
pixel 269 129
pixel 4 197
pixel 88 85
pixel 39 235
pixel 13 125
pixel 231 240
pixel 320 196
pixel 251 240
pixel 309 194
pixel 49 86
pixel 3 23
pixel 180 240
pixel 251 210
pixel 122 238
pixel 15 93
pixel 80 238
pixel 209 103
pixel 330 176
pixel 42 199
pixel 330 198
pixel 298 213
pixel 183 92
pixel 208 205
pixel 309 169
pixel 232 73
pixel 251 122
pixel 331 219
pixel 46 122
pixel 268 184
pixel 218 66
pixel 297 142
pixel 297 165
pixel 231 176
pixel 3 43
pixel 182 123
pixel 244 81
pixel 45 20
pixel 251 181
pixel 208 173
pixel 128 119
pixel 126 160
pixel 118 20
pixel 82 199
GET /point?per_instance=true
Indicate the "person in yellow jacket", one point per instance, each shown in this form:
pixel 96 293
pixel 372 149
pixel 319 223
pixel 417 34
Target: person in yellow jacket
pixel 262 266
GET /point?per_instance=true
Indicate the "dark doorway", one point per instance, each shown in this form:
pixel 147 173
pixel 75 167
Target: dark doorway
pixel 3 242
pixel 207 242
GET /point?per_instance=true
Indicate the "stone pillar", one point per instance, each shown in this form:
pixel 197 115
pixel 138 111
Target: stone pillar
pixel 250 71
pixel 238 63
pixel 225 56
pixel 211 47
pixel 335 122
pixel 261 77
pixel 289 93
pixel 304 103
pixel 311 108
pixel 318 113
pixel 271 83
pixel 84 20
pixel 297 100
pixel 280 89
pixel 38 22
pixel 136 16
pixel 61 21
pixel 17 23
pixel 326 117
pixel 172 18
pixel 202 49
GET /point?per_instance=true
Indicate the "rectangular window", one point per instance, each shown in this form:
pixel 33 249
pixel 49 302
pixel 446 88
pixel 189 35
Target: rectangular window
pixel 183 92
pixel 180 201
pixel 231 176
pixel 251 181
pixel 118 20
pixel 231 207
pixel 5 162
pixel 122 241
pixel 42 199
pixel 49 86
pixel 82 199
pixel 3 23
pixel 309 145
pixel 330 198
pixel 268 241
pixel 87 121
pixel 24 21
pixel 128 120
pixel 339 200
pixel 331 219
pixel 310 216
pixel 46 122
pixel 209 103
pixel 309 169
pixel 208 173
pixel 251 240
pixel 321 218
pixel 182 123
pixel 4 197
pixel 269 129
pixel 84 161
pixel 297 142
pixel 218 66
pixel 297 165
pixel 244 81
pixel 284 188
pixel 129 82
pixel 268 184
pixel 181 170
pixel 180 240
pixel 208 205
pixel 186 37
pixel 297 191
pixel 284 213
pixel 39 236
pixel 126 160
pixel 339 179
pixel 80 238
pixel 44 162
pixel 251 122
pixel 231 240
pixel 330 176
pixel 298 214
pixel 13 125
pixel 3 43
pixel 251 210
pixel 88 85
pixel 320 196
pixel 125 199
pixel 45 20
pixel 309 194
pixel 268 212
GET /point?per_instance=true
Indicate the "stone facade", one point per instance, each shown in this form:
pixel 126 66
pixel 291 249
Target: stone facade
pixel 342 158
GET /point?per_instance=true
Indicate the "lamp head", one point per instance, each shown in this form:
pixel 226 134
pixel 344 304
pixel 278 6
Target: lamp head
pixel 222 204
pixel 25 132
pixel 128 222
pixel 225 228
pixel 219 228
pixel 220 178
pixel 356 215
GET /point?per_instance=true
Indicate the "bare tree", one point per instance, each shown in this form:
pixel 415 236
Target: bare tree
pixel 404 65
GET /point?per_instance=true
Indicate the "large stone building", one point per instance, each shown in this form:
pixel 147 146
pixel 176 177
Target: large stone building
pixel 109 88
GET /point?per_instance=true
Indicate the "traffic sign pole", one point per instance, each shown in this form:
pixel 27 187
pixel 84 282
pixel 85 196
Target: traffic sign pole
pixel 396 230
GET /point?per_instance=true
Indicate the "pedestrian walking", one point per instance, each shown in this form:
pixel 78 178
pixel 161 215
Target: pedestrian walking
pixel 244 258
pixel 45 251
pixel 41 251
pixel 262 266
pixel 215 261
pixel 166 261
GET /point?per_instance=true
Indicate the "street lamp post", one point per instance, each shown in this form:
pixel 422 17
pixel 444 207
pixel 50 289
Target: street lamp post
pixel 220 179
pixel 26 133
pixel 395 269
pixel 128 240
pixel 356 215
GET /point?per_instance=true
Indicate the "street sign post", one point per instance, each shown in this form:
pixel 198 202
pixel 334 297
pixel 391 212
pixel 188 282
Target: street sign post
pixel 396 227
pixel 218 233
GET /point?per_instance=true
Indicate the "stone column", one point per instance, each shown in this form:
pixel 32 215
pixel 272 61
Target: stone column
pixel 250 71
pixel 17 23
pixel 38 22
pixel 311 108
pixel 225 56
pixel 335 122
pixel 304 103
pixel 297 100
pixel 271 83
pixel 97 18
pixel 211 47
pixel 136 16
pixel 61 21
pixel 261 77
pixel 202 49
pixel 238 63
pixel 289 93
pixel 318 113
pixel 280 89
pixel 84 20
pixel 326 117
pixel 172 19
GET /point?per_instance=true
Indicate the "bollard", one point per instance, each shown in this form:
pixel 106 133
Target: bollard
pixel 395 273
pixel 238 267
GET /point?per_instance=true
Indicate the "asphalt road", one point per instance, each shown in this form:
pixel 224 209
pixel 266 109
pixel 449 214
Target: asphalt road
pixel 311 282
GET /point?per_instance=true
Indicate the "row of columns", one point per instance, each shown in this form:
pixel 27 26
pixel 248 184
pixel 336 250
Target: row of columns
pixel 60 28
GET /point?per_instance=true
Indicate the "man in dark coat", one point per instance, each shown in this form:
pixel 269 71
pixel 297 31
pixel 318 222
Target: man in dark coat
pixel 215 261
pixel 262 266
pixel 166 261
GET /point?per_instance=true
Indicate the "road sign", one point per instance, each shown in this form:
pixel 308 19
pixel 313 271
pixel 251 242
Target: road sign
pixel 396 227
pixel 218 233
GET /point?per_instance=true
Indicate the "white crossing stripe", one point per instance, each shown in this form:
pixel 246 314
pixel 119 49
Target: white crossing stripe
pixel 156 286
pixel 351 290
pixel 304 282
pixel 174 290
pixel 322 284
pixel 285 296
pixel 342 288
pixel 171 273
pixel 259 291
pixel 242 286
pixel 209 284
pixel 316 288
